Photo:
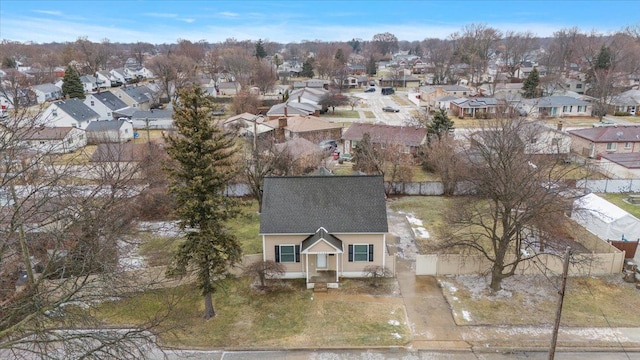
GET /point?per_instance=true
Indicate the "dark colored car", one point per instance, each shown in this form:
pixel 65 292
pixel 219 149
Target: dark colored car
pixel 370 90
pixel 390 109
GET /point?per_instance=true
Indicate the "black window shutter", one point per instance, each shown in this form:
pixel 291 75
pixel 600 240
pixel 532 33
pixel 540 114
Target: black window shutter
pixel 370 252
pixel 277 253
pixel 350 253
pixel 297 253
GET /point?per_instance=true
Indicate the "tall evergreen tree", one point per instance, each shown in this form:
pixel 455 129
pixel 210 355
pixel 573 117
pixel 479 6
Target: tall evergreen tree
pixel 530 85
pixel 371 67
pixel 203 166
pixel 261 53
pixel 307 68
pixel 440 125
pixel 71 84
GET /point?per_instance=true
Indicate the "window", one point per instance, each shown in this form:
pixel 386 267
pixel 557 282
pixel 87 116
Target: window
pixel 287 253
pixel 533 140
pixel 108 114
pixel 361 252
pixel 564 108
pixel 579 108
pixel 54 112
pixel 92 104
pixel 611 146
pixel 627 145
pixel 578 86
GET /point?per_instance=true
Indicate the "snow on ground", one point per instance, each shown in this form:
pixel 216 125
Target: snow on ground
pixel 400 227
pixel 161 228
pixel 394 322
pixel 466 315
pixel 416 225
pixel 536 287
pixel 128 255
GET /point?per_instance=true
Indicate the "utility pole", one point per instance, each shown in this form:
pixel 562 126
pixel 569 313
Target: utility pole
pixel 556 325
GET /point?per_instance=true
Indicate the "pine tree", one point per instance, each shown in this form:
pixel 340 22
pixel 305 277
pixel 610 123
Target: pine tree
pixel 261 53
pixel 71 84
pixel 530 85
pixel 202 154
pixel 307 68
pixel 440 125
pixel 371 67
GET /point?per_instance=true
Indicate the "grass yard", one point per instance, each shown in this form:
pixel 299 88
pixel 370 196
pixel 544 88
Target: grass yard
pixel 143 138
pixel 532 300
pixel 619 200
pixel 158 250
pixel 369 114
pixel 290 316
pixel 349 114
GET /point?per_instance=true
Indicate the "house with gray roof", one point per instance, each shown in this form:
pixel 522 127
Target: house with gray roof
pixel 71 112
pixel 47 92
pixel 553 106
pixel 429 94
pixel 626 102
pixel 481 107
pixel 324 228
pixel 112 131
pixel 105 103
pixel 53 140
pixel 140 96
pixel 89 83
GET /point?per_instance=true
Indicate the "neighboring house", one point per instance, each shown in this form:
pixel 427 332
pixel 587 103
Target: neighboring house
pixel 429 94
pixel 399 81
pixel 55 140
pixel 105 104
pixel 140 97
pixel 481 107
pixel 228 88
pixel 72 112
pixel 246 124
pixel 292 109
pixel 356 70
pixel 324 228
pixel 599 141
pixel 350 82
pixel 627 102
pixel 502 90
pixel 311 83
pixel 523 72
pixel 105 80
pixel 407 138
pixel 152 119
pixel 112 131
pixel 620 166
pixel 305 154
pixel 444 102
pixel 89 83
pixel 543 140
pixel 47 92
pixel 311 128
pixel 307 95
pixel 122 75
pixel 553 106
pixel 576 85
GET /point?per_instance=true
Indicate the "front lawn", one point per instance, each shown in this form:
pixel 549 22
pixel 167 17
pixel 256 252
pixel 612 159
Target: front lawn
pixel 350 114
pixel 620 200
pixel 290 316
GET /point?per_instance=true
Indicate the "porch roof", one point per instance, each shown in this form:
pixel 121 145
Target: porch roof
pixel 321 235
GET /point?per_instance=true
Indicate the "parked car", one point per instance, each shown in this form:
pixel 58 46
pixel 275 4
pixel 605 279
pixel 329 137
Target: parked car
pixel 390 109
pixel 387 91
pixel 346 157
pixel 370 90
pixel 328 146
pixel 372 83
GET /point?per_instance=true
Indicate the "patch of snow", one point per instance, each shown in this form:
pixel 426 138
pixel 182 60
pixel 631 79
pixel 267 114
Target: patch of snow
pixel 466 315
pixel 413 220
pixel 394 322
pixel 396 335
pixel 128 257
pixel 421 232
pixel 161 228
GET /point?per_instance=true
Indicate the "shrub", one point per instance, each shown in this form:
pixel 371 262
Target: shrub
pixel 621 113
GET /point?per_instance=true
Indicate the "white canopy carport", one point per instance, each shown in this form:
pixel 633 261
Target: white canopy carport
pixel 606 220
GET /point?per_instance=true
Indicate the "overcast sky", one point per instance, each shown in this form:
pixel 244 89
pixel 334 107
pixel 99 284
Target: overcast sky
pixel 294 21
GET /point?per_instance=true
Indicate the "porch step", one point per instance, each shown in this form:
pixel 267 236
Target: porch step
pixel 320 287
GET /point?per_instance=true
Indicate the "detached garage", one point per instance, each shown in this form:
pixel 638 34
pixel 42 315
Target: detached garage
pixel 606 220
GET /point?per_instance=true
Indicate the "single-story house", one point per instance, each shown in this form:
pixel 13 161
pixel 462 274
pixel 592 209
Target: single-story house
pixel 323 228
pixel 311 128
pixel 554 106
pixel 598 141
pixel 429 94
pixel 407 138
pixel 71 112
pixel 304 153
pixel 246 124
pixel 293 108
pixel 228 88
pixel 474 107
pixel 47 92
pixel 111 131
pixel 399 81
pixel 628 102
pixel 54 140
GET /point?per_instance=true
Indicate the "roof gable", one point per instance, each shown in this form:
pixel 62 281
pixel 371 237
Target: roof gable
pixel 339 204
pixel 77 109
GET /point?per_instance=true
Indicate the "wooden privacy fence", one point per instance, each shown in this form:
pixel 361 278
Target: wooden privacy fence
pixel 456 264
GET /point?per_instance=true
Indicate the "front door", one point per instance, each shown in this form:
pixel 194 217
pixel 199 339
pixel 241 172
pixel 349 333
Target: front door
pixel 321 261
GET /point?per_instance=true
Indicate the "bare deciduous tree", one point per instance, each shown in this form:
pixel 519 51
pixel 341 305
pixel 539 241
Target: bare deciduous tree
pixel 264 270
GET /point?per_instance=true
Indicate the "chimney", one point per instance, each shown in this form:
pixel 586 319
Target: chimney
pixel 282 122
pixel 559 125
pixel 285 111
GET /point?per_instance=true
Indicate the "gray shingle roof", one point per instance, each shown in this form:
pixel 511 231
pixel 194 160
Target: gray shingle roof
pixel 104 125
pixel 606 134
pixel 46 88
pixel 77 109
pixel 141 94
pixel 551 101
pixel 340 204
pixel 110 100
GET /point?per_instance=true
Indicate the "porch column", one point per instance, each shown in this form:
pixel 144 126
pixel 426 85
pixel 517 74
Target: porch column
pixel 336 267
pixel 306 260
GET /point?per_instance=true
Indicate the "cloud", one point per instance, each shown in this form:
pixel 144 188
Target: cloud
pixel 187 20
pixel 49 12
pixel 229 14
pixel 161 15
